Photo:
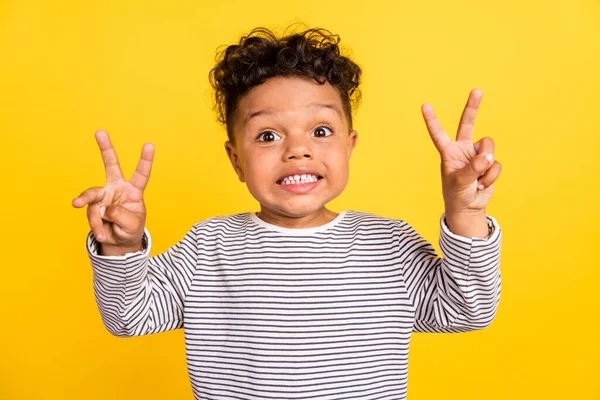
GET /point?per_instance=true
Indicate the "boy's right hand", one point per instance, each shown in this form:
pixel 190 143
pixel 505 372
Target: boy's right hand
pixel 116 212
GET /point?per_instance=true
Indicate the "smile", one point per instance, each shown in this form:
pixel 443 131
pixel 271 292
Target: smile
pixel 299 179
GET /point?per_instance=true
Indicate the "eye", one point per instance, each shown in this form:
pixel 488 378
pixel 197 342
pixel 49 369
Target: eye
pixel 268 136
pixel 322 131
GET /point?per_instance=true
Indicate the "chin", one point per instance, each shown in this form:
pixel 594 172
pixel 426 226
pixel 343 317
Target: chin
pixel 294 206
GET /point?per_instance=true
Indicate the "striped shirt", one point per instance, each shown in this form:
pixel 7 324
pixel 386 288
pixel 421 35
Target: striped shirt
pixel 316 313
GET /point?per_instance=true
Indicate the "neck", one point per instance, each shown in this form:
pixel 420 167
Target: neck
pixel 317 218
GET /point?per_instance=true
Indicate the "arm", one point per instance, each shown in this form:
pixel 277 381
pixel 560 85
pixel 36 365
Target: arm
pixel 459 292
pixel 136 294
pixel 139 295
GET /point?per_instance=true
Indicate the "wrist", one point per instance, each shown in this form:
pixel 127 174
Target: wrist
pixel 468 224
pixel 115 250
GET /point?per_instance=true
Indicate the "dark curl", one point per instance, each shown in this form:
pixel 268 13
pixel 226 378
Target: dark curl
pixel 260 55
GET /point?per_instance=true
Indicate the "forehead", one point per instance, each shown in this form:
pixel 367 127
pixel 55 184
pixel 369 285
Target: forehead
pixel 285 95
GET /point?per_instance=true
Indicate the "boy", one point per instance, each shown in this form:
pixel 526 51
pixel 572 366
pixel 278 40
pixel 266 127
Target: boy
pixel 297 301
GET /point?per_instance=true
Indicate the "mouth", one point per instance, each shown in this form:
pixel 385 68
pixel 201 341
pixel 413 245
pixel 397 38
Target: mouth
pixel 299 179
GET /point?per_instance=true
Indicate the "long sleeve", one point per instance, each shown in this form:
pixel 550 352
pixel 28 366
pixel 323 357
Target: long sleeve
pixel 460 291
pixel 139 295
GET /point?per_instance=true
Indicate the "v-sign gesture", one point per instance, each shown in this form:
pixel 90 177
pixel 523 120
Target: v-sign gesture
pixel 116 212
pixel 468 169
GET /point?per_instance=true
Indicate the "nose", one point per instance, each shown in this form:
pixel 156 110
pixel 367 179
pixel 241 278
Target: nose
pixel 297 148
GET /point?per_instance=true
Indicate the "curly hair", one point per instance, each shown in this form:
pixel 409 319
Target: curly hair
pixel 260 55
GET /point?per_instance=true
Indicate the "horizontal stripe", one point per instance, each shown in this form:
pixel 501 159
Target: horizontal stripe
pixel 300 314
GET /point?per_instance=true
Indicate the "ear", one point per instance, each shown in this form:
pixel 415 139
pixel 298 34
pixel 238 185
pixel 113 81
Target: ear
pixel 352 140
pixel 235 160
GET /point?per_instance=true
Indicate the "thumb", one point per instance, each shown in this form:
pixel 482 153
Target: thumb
pixel 476 168
pixel 126 223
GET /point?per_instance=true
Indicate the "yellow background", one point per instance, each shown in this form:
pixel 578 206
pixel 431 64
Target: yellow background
pixel 139 70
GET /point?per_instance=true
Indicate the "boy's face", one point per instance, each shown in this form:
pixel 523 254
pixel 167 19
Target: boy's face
pixel 286 127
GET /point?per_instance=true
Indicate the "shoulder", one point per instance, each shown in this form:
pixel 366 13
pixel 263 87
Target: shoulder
pixel 390 230
pixel 224 224
pixel 367 220
pixel 367 217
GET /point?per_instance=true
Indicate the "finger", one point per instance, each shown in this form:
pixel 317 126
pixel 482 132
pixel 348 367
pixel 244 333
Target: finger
pixel 490 176
pixel 91 195
pixel 125 223
pixel 95 221
pixel 467 119
pixel 484 145
pixel 140 177
pixel 478 166
pixel 487 192
pixel 439 137
pixel 111 161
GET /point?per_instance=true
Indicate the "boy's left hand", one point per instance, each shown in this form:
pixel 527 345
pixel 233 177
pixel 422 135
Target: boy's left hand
pixel 467 176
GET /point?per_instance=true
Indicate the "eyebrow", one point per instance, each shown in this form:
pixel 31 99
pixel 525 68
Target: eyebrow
pixel 310 106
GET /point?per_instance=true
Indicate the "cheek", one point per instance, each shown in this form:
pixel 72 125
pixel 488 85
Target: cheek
pixel 337 162
pixel 260 165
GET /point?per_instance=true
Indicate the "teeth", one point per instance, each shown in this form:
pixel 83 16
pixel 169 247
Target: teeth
pixel 299 179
